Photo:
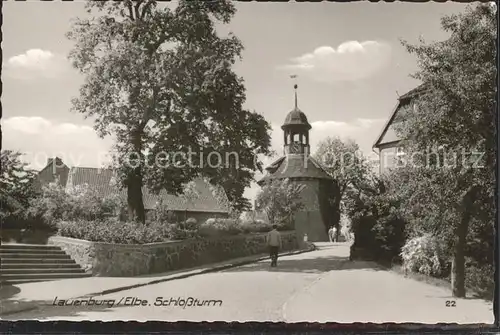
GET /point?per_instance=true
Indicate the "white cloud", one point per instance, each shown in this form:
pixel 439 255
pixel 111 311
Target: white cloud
pixel 35 63
pixel 39 139
pixel 350 61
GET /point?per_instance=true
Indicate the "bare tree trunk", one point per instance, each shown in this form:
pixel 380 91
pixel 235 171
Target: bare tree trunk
pixel 458 263
pixel 134 184
pixel 134 198
pixel 336 217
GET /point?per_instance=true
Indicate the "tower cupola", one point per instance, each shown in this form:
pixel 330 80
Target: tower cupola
pixel 296 131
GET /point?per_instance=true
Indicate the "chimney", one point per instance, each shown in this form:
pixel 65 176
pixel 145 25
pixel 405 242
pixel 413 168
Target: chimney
pixel 49 160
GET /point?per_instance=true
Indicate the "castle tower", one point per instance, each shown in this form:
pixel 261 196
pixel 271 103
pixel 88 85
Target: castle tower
pixel 298 166
pixel 296 131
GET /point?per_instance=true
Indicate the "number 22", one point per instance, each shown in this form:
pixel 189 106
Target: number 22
pixel 451 303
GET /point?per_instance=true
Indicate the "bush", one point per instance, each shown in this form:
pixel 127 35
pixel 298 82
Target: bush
pixel 257 226
pixel 55 204
pixel 177 232
pixel 220 227
pixel 184 230
pixel 111 230
pixel 229 227
pixel 378 227
pixel 114 231
pixel 424 255
pixel 23 222
pixel 481 279
pixel 162 213
pixel 189 224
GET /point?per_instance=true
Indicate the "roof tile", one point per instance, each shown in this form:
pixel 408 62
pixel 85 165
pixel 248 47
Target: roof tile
pixel 102 181
pixel 295 166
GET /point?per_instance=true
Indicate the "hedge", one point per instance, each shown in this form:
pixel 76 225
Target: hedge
pixel 115 231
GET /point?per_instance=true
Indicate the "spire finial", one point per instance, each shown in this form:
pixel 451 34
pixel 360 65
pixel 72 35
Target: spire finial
pixel 295 87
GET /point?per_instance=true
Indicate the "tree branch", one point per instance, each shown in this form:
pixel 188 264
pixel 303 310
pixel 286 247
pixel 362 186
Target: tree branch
pixel 145 9
pixel 342 189
pixel 136 9
pixel 130 10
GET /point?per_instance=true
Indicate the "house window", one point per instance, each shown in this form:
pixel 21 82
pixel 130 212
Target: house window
pixel 400 159
pixel 400 152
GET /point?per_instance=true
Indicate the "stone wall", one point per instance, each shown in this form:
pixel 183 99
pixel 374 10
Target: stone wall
pixel 122 260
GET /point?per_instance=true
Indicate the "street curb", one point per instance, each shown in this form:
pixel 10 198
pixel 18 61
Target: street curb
pixel 195 273
pixel 310 247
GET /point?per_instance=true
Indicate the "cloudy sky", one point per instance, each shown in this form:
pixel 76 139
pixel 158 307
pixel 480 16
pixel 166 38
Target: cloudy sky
pixel 347 56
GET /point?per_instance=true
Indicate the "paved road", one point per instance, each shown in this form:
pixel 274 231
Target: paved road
pixel 318 286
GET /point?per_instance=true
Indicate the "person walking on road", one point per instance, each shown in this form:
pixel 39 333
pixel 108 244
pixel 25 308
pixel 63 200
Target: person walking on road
pixel 332 234
pixel 275 244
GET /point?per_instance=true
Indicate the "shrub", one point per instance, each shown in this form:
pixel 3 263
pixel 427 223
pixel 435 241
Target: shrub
pixel 189 224
pixel 228 227
pixel 481 279
pixel 257 226
pixel 424 255
pixel 55 204
pixel 378 227
pixel 184 230
pixel 220 227
pixel 364 239
pixel 162 213
pixel 114 231
pixel 177 232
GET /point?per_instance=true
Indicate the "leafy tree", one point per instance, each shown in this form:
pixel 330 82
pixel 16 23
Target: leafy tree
pixel 377 221
pixel 191 195
pixel 280 200
pixel 16 180
pixel 161 81
pixel 223 200
pixel 346 165
pixel 447 188
pixel 163 214
pixel 56 204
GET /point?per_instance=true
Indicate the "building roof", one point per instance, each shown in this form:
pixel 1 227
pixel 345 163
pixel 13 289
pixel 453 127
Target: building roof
pixel 403 106
pixel 50 164
pixel 295 166
pixel 296 118
pixel 102 181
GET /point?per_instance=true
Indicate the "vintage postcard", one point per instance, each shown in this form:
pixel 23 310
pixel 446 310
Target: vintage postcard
pixel 243 161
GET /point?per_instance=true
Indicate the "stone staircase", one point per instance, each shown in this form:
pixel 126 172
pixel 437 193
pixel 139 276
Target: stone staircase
pixel 23 263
